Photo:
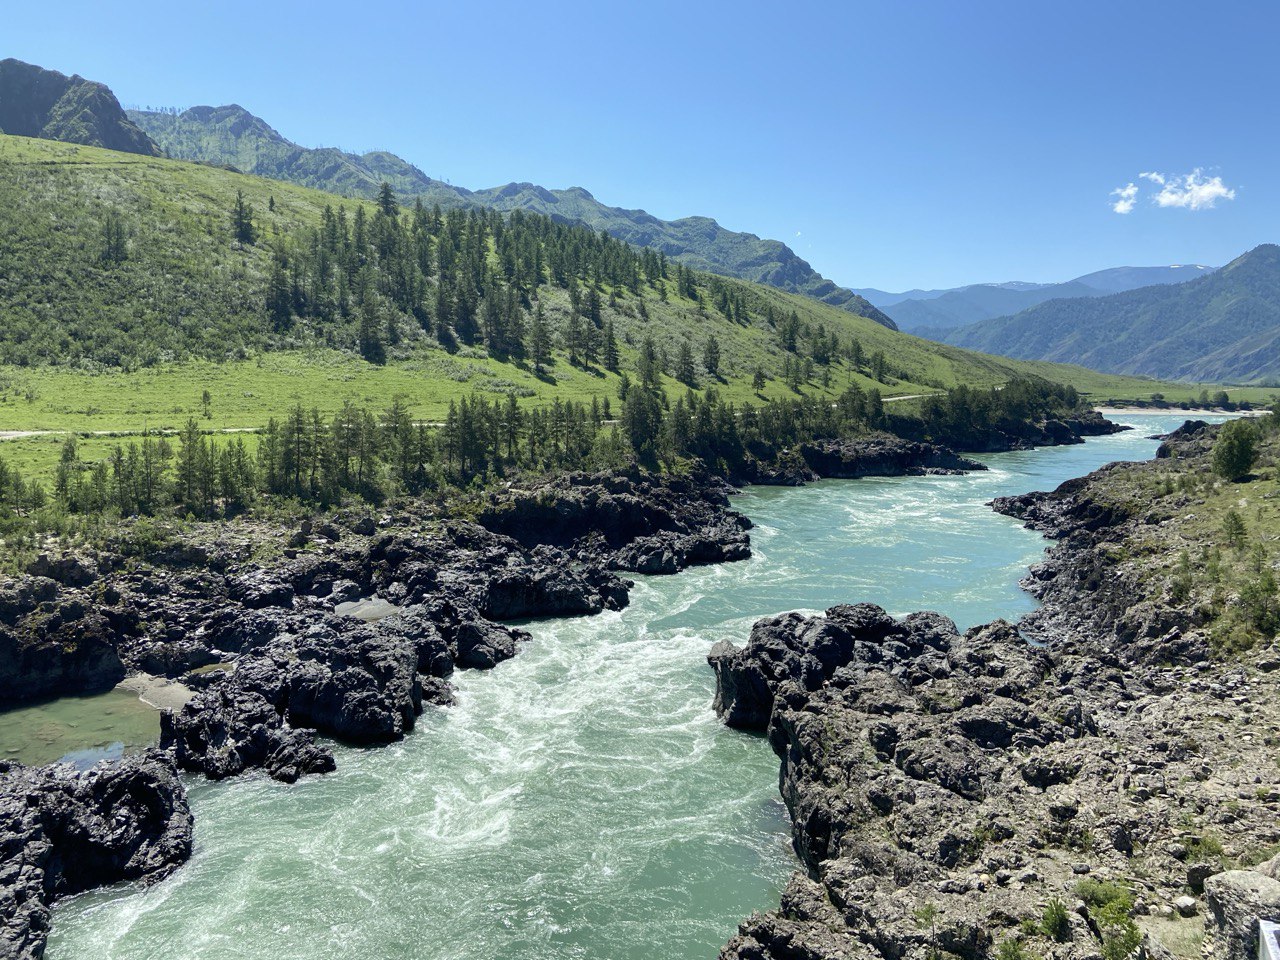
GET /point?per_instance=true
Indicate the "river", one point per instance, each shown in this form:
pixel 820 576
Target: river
pixel 581 801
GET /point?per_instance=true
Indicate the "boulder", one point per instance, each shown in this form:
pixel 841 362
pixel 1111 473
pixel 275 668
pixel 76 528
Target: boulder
pixel 1236 900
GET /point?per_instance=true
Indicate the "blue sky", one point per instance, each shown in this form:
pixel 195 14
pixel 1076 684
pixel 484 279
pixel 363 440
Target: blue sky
pixel 892 144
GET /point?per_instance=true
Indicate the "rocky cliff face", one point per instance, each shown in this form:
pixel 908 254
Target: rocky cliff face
pixel 35 102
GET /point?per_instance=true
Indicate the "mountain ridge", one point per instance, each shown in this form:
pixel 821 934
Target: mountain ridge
pixel 929 313
pixel 231 135
pixel 1223 326
pixel 35 102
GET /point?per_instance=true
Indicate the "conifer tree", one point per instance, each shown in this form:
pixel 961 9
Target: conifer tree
pixel 610 347
pixel 371 346
pixel 115 248
pixel 387 204
pixel 711 357
pixel 685 372
pixel 539 340
pixel 242 227
pixel 279 295
pixel 573 337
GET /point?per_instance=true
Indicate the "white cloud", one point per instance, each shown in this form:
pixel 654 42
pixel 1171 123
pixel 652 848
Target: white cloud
pixel 1194 191
pixel 1191 191
pixel 1126 196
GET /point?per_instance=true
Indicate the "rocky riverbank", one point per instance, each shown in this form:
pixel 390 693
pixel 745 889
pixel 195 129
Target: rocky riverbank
pixel 900 455
pixel 63 832
pixel 350 625
pixel 1092 782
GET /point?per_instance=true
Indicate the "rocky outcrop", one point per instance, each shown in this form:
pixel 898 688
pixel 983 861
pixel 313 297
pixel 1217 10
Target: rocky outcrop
pixel 63 832
pixel 1237 900
pixel 632 521
pixel 76 623
pixel 883 456
pixel 53 642
pixel 35 102
pixel 1084 592
pixel 945 788
pixel 1011 434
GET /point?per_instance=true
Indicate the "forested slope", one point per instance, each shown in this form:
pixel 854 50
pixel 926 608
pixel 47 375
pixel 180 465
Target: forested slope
pixel 230 135
pixel 122 261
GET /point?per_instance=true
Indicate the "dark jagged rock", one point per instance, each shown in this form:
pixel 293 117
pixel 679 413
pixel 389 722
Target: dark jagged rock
pixel 63 832
pixel 883 456
pixel 54 643
pixel 634 522
pixel 226 730
pixel 967 774
pixel 789 648
pixel 1021 435
pixel 1084 594
pixel 945 787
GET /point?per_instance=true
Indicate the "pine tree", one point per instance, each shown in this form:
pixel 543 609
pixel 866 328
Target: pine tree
pixel 711 357
pixel 610 347
pixel 279 296
pixel 573 337
pixel 758 381
pixel 539 340
pixel 387 200
pixel 590 345
pixel 685 372
pixel 879 366
pixel 593 307
pixel 648 367
pixel 115 248
pixel 242 220
pixel 371 346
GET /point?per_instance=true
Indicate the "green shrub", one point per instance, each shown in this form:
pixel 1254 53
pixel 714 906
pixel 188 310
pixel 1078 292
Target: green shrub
pixel 1207 847
pixel 1055 922
pixel 1236 449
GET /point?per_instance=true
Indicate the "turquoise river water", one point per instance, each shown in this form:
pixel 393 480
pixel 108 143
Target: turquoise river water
pixel 581 801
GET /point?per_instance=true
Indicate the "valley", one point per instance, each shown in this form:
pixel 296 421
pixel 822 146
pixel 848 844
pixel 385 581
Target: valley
pixel 396 569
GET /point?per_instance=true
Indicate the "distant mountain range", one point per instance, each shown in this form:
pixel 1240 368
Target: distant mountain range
pixel 35 102
pixel 232 136
pixel 1223 326
pixel 930 313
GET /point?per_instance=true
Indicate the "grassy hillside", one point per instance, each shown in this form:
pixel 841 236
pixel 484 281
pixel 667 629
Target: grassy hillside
pixel 230 135
pixel 99 345
pixel 1224 326
pixel 187 289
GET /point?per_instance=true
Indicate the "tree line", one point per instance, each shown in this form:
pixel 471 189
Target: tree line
pixel 322 459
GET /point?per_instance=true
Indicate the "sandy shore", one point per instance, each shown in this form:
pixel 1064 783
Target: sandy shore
pixel 158 692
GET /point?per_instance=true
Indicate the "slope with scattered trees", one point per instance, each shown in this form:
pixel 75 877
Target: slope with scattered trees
pixel 230 135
